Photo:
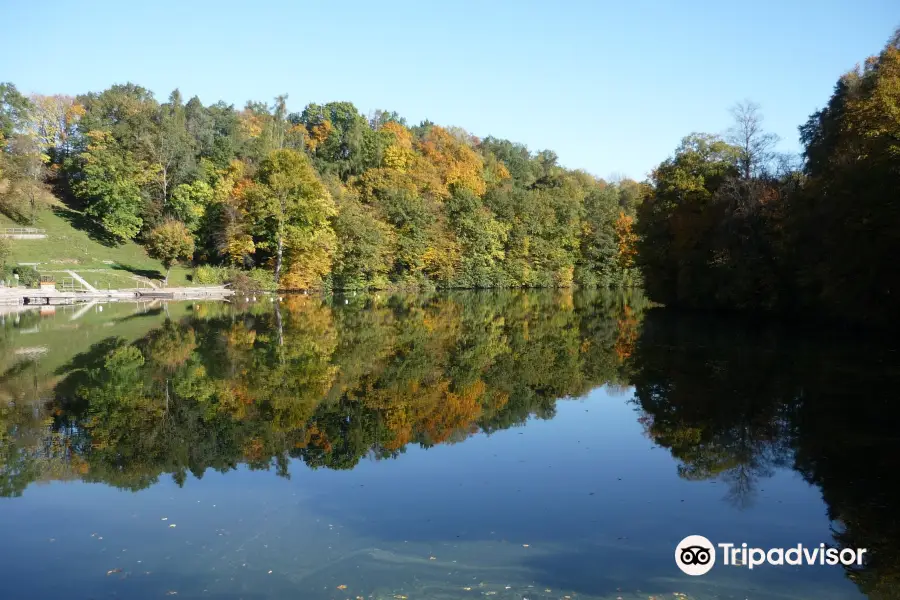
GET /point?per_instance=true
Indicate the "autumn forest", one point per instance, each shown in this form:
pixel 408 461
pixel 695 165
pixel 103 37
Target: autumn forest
pixel 327 198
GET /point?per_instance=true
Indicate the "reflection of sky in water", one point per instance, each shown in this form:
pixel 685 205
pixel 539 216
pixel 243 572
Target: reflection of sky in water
pixel 599 508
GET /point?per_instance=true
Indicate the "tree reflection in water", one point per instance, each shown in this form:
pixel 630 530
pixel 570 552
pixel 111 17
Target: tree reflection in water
pixel 327 383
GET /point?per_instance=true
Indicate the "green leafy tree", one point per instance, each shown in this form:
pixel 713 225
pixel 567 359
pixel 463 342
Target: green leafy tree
pixel 598 256
pixel 14 111
pixel 189 203
pixel 171 148
pixel 340 139
pixel 365 245
pixel 843 225
pixel 170 242
pixel 676 219
pixel 22 178
pixel 482 238
pixel 293 209
pixel 5 251
pixel 111 186
pixel 128 112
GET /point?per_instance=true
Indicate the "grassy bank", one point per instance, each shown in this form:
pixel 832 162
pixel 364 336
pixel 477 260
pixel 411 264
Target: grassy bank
pixel 70 246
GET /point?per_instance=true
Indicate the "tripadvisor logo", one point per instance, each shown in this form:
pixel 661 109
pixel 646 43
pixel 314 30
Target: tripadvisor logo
pixel 696 555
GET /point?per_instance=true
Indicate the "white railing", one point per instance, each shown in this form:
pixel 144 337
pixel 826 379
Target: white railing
pixel 21 230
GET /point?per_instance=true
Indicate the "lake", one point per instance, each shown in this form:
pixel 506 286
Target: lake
pixel 458 445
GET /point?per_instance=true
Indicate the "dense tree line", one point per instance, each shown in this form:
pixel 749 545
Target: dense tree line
pixel 321 197
pixel 327 197
pixel 728 223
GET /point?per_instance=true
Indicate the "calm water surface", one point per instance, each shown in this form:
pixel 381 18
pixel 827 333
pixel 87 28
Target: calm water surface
pixel 514 445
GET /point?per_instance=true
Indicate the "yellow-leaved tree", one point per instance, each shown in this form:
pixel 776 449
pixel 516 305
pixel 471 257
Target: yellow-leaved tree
pixel 456 161
pixel 291 209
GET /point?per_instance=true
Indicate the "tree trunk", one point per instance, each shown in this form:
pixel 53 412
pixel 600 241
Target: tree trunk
pixel 33 203
pixel 280 327
pixel 166 280
pixel 279 253
pixel 165 184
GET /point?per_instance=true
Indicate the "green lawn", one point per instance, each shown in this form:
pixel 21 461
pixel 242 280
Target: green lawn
pixel 70 247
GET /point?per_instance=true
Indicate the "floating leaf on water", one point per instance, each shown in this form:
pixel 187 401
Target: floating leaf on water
pixel 110 572
pixel 165 519
pixel 524 545
pixel 171 593
pixel 399 597
pixel 270 572
pixel 340 587
pixel 432 558
pixel 468 589
pixel 172 525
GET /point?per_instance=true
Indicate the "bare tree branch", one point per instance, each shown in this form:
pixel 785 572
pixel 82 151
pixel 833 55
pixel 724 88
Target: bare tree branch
pixel 754 144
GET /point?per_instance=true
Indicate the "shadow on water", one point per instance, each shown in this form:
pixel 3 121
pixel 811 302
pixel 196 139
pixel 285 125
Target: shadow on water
pixel 149 313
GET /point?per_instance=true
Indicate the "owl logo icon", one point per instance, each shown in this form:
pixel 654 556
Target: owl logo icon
pixel 695 555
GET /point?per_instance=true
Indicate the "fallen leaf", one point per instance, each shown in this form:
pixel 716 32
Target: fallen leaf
pixel 113 571
pixel 340 587
pixel 431 558
pixel 524 545
pixel 172 525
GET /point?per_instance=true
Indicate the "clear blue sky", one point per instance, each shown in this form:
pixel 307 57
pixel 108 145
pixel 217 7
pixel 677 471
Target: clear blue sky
pixel 609 86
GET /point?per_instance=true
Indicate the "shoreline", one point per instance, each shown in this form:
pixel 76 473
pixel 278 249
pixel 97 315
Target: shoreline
pixel 51 296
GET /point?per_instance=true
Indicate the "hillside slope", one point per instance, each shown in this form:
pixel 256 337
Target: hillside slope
pixel 69 246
